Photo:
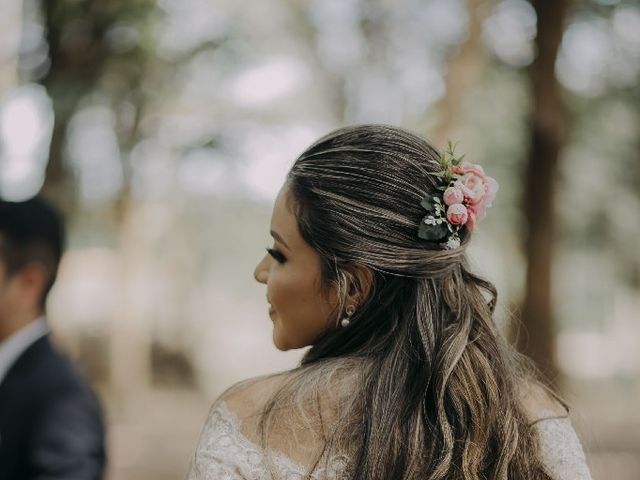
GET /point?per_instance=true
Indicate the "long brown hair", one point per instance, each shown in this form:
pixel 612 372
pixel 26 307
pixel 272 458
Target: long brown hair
pixel 435 395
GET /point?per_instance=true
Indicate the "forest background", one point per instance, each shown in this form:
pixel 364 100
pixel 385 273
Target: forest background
pixel 163 130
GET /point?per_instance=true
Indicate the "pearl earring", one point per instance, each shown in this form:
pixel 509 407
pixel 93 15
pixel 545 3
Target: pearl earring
pixel 350 310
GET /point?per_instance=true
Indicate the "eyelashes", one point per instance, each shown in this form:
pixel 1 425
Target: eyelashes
pixel 278 257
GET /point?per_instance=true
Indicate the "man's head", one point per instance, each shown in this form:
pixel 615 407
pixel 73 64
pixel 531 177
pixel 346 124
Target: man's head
pixel 31 243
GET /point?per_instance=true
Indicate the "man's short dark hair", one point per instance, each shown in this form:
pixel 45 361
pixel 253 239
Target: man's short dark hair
pixel 31 231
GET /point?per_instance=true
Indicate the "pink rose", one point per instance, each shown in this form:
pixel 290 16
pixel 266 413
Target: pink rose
pixel 453 195
pixel 472 187
pixel 468 167
pixel 471 221
pixel 479 209
pixel 457 214
pixel 479 189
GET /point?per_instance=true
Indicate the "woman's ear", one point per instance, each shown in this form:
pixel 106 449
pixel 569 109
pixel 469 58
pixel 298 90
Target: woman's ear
pixel 360 285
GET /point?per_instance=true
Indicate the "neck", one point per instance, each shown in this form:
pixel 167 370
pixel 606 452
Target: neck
pixel 10 326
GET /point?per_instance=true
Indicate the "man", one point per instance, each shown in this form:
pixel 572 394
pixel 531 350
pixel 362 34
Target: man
pixel 50 421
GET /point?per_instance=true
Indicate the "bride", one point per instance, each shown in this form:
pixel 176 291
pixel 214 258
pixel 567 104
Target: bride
pixel 407 376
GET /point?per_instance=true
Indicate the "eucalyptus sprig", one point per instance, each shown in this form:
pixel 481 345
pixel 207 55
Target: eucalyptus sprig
pixel 448 160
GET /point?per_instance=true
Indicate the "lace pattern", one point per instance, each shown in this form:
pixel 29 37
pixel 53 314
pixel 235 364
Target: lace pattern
pixel 224 453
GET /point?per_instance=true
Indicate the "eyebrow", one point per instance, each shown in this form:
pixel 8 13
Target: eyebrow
pixel 279 239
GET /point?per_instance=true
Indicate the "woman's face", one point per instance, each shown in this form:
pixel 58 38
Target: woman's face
pixel 291 271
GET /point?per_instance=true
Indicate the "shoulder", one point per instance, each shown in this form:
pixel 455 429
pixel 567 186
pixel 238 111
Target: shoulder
pixel 241 407
pixel 308 394
pixel 290 413
pixel 249 397
pixel 58 412
pixel 43 372
pixel 62 386
pixel 230 444
pixel 561 450
pixel 60 391
pixel 540 403
pixel 560 447
pixel 43 361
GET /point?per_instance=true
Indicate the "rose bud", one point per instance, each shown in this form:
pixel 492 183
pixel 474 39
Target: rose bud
pixel 457 214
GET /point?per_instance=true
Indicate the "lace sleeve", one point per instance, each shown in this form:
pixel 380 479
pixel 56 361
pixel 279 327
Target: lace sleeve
pixel 214 458
pixel 561 449
pixel 223 453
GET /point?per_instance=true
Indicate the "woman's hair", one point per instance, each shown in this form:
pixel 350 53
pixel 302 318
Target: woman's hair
pixel 434 387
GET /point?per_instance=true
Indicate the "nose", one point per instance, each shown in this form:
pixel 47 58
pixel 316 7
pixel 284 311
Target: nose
pixel 261 272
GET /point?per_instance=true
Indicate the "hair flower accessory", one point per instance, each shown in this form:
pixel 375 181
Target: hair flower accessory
pixel 461 200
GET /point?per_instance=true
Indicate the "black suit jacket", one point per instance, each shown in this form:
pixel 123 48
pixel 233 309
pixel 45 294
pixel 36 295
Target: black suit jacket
pixel 51 425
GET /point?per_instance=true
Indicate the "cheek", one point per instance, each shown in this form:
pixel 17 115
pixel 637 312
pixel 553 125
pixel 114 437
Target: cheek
pixel 281 292
pixel 301 312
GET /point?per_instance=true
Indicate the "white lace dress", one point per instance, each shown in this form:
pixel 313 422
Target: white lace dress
pixel 224 453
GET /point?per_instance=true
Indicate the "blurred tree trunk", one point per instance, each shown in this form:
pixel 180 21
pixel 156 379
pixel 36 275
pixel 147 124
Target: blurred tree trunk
pixel 464 70
pixel 547 136
pixel 84 63
pixel 77 52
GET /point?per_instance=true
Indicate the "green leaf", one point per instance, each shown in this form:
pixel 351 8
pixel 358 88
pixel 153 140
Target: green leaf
pixel 458 160
pixel 432 233
pixel 427 204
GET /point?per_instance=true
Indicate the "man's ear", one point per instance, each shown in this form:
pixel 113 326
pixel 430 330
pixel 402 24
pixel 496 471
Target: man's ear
pixel 32 279
pixel 361 283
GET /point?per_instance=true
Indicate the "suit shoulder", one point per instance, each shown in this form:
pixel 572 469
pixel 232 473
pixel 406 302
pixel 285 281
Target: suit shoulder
pixel 51 372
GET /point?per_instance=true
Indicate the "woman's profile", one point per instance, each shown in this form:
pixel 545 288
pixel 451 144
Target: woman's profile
pixel 407 375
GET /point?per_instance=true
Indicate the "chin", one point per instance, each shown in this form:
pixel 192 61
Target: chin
pixel 284 344
pixel 283 347
pixel 279 343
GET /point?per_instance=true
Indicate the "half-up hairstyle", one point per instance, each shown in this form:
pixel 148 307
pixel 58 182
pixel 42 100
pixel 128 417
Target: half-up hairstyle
pixel 435 392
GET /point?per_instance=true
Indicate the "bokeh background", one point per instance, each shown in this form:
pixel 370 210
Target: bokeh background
pixel 163 129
